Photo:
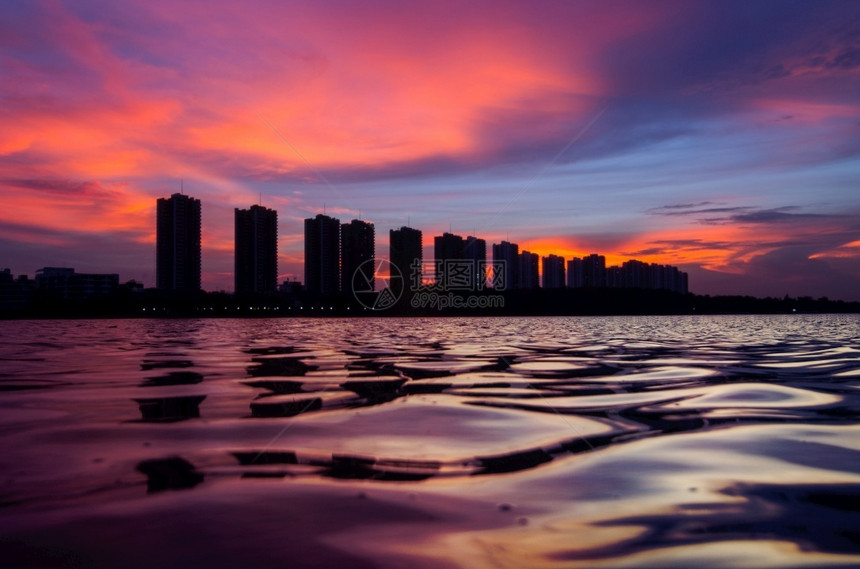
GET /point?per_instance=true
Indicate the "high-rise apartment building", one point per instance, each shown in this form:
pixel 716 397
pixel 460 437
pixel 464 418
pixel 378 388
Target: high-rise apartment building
pixel 357 245
pixel 406 253
pixel 553 271
pixel 256 251
pixel 575 276
pixel 588 272
pixel 506 259
pixel 178 243
pixel 529 270
pixel 322 255
pixel 448 247
pixel 475 250
pixel 594 271
pixel 449 252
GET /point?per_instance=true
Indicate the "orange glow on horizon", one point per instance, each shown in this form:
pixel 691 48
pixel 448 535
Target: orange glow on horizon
pixel 719 248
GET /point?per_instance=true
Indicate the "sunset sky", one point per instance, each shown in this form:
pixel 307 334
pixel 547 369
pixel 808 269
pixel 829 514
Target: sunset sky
pixel 722 137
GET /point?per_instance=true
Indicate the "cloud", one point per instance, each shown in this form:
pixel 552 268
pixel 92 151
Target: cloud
pixel 694 209
pixel 741 214
pixel 792 269
pixel 79 188
pixel 667 209
pixel 783 214
pixel 849 250
pixel 771 51
pixel 664 246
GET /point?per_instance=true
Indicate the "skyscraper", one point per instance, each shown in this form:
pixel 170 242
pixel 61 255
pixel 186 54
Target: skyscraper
pixel 448 247
pixel 508 255
pixel 575 273
pixel 448 253
pixel 256 251
pixel 553 271
pixel 635 274
pixel 177 257
pixel 406 254
pixel 529 269
pixel 588 272
pixel 475 250
pixel 357 245
pixel 322 255
pixel 594 271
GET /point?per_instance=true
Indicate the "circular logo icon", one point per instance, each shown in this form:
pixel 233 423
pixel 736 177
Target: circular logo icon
pixel 374 271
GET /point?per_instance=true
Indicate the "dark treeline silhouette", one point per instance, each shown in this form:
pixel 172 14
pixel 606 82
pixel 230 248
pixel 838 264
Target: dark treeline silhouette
pixel 130 301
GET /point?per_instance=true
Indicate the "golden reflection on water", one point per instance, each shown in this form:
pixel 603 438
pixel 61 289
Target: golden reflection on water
pixel 686 486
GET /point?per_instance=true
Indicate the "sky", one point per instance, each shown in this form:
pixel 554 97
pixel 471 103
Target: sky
pixel 721 137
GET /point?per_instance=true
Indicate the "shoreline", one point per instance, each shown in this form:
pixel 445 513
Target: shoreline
pixel 559 302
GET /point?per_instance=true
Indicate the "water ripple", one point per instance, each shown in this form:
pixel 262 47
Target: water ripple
pixel 643 436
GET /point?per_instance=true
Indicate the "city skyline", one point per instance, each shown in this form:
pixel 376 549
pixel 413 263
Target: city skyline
pixel 718 137
pixel 341 259
pixel 336 252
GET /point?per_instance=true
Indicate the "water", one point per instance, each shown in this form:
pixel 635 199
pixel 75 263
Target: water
pixel 475 442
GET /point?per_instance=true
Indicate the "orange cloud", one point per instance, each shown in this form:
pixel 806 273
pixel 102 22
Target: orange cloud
pixel 722 248
pixel 396 98
pixel 80 207
pixel 847 251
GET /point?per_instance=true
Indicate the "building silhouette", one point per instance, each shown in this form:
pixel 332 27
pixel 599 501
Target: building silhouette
pixel 256 251
pixel 475 250
pixel 508 255
pixel 529 270
pixel 65 284
pixel 357 245
pixel 448 247
pixel 178 243
pixel 588 272
pixel 553 271
pixel 322 255
pixel 594 271
pixel 334 254
pixel 15 294
pixel 639 274
pixel 575 273
pixel 642 275
pixel 448 252
pixel 406 253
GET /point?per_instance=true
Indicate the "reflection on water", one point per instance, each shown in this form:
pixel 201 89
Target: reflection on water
pixel 169 473
pixel 170 408
pixel 497 442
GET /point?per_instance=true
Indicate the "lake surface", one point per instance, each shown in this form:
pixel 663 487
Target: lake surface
pixel 710 441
